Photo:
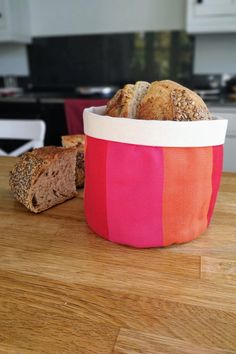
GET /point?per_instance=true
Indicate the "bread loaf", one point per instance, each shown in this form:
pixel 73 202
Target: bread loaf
pixel 44 177
pixel 160 100
pixel 77 140
pixel 167 100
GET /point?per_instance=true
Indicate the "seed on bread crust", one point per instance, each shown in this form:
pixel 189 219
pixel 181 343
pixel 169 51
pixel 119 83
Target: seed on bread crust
pixel 185 108
pixel 28 167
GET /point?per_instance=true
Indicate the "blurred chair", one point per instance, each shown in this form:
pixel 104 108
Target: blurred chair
pixel 19 129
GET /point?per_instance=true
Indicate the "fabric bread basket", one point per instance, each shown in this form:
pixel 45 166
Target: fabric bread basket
pixel 151 183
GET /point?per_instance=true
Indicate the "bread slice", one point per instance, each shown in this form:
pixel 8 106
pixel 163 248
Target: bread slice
pixel 119 105
pixel 140 90
pixel 126 101
pixel 44 177
pixel 73 140
pixel 77 140
pixel 168 100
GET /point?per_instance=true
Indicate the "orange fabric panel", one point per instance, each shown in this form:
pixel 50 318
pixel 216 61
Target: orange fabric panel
pixel 187 192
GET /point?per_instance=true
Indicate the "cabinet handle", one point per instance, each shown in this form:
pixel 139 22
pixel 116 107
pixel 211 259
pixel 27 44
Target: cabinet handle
pixel 199 1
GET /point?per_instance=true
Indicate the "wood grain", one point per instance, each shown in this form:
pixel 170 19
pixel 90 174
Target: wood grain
pixel 134 342
pixel 65 290
pixel 218 269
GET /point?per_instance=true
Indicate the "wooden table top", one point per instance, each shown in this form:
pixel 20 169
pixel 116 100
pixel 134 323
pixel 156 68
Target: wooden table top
pixel 65 290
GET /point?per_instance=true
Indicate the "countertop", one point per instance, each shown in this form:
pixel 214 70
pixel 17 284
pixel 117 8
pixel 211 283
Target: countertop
pixel 59 97
pixel 48 97
pixel 65 290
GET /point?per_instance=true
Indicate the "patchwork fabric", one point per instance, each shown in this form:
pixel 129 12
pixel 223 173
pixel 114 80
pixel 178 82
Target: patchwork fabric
pixel 146 196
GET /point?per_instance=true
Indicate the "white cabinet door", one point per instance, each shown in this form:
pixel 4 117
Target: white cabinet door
pixel 215 8
pixel 211 16
pixel 230 141
pixel 229 154
pixel 14 21
pixel 2 15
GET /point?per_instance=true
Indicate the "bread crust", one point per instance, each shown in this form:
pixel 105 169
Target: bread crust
pixel 119 105
pixel 80 171
pixel 77 140
pixel 73 140
pixel 168 100
pixel 126 100
pixel 28 169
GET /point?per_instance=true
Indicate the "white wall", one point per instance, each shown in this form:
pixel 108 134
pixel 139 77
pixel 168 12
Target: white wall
pixel 68 17
pixel 13 59
pixel 215 53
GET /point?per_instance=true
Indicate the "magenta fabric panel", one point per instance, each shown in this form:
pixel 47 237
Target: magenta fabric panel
pixel 74 112
pixel 216 177
pixel 95 186
pixel 134 194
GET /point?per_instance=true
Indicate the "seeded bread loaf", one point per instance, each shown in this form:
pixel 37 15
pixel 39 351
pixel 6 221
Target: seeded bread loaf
pixel 77 140
pixel 44 177
pixel 167 100
pixel 160 100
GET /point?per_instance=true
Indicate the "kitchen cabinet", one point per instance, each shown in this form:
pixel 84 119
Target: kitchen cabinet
pixel 14 21
pixel 75 17
pixel 211 16
pixel 230 142
pixel 2 15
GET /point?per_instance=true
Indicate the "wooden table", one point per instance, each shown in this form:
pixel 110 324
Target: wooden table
pixel 64 290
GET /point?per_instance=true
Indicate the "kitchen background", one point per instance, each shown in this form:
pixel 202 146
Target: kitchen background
pixel 54 51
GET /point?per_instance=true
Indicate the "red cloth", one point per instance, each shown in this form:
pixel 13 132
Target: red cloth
pixel 74 112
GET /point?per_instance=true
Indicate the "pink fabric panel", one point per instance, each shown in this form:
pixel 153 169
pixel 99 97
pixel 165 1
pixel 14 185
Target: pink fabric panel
pixel 134 194
pixel 216 177
pixel 74 112
pixel 95 186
